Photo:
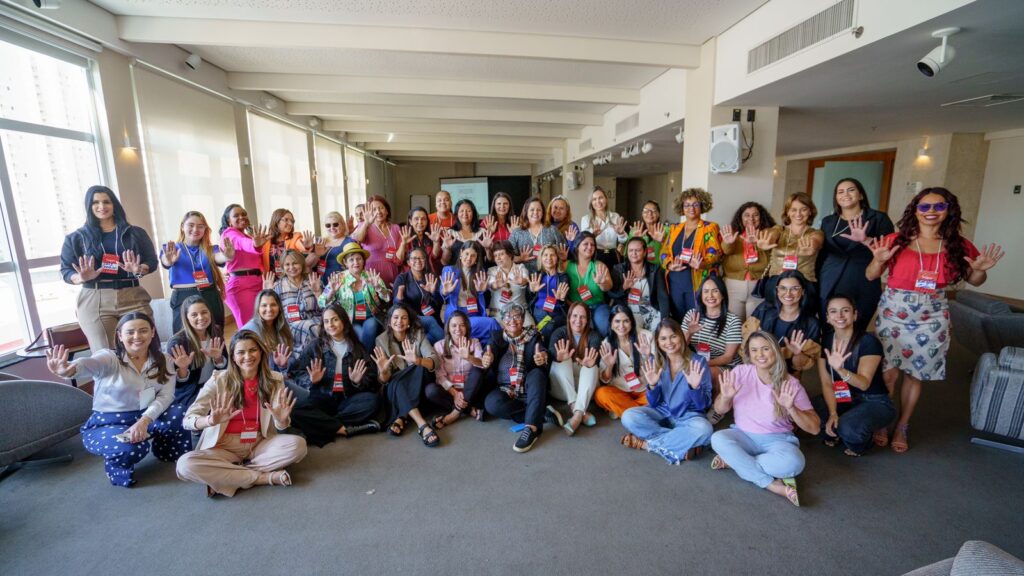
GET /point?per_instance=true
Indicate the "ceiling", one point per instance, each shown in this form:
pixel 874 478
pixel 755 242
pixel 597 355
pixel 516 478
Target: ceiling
pixel 460 80
pixel 876 94
pixel 666 155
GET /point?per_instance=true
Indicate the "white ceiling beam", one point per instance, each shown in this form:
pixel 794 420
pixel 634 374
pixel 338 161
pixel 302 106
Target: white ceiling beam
pixel 354 111
pixel 489 129
pixel 399 136
pixel 404 160
pixel 431 87
pixel 488 155
pixel 250 33
pixel 469 149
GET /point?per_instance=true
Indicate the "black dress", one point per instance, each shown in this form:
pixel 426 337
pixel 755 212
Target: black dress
pixel 845 262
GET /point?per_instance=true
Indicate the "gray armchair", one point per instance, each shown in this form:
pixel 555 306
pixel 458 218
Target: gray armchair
pixel 35 415
pixel 975 558
pixel 982 323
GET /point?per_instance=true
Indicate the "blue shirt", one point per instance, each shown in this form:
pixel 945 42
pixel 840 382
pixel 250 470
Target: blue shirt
pixel 191 259
pixel 673 397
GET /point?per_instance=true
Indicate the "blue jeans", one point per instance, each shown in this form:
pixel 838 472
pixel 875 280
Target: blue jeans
pixel 433 328
pixel 858 420
pixel 367 332
pixel 668 437
pixel 759 458
pixel 602 318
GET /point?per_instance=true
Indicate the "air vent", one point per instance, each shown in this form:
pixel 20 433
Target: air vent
pixel 628 123
pixel 986 101
pixel 586 146
pixel 818 28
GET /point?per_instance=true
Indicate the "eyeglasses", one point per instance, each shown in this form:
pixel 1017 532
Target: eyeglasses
pixel 415 258
pixel 691 204
pixel 939 207
pixel 332 225
pixel 650 211
pixel 791 289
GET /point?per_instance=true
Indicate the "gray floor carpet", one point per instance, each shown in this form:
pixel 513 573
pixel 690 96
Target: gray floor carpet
pixel 580 505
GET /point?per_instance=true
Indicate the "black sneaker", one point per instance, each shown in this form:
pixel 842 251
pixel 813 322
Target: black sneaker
pixel 526 440
pixel 368 428
pixel 553 416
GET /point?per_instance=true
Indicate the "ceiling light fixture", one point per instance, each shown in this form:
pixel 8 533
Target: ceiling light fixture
pixel 679 136
pixel 391 137
pixel 647 147
pixel 269 102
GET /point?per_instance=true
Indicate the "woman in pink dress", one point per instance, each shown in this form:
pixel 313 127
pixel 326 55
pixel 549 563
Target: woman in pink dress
pixel 382 238
pixel 245 271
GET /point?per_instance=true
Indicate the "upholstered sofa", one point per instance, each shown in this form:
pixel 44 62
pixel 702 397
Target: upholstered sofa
pixel 975 558
pixel 985 324
pixel 35 415
pixel 997 395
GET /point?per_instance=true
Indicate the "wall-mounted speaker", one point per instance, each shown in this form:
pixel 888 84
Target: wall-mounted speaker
pixel 725 148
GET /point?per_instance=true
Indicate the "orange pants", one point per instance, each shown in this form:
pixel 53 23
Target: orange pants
pixel 616 401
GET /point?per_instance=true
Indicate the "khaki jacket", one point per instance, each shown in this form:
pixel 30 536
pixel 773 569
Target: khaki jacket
pixel 201 408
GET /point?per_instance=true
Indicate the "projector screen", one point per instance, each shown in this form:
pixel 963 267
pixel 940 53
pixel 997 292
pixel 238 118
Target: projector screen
pixel 475 189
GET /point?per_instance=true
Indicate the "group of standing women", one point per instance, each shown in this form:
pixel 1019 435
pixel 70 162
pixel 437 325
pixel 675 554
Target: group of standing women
pixel 666 326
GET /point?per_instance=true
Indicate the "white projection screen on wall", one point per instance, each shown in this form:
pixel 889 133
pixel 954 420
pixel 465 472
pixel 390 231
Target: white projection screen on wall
pixel 475 189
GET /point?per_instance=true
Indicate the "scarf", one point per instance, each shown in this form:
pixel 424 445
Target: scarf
pixel 518 346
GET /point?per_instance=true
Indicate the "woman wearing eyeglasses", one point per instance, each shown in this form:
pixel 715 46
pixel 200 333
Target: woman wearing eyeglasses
pixel 335 238
pixel 926 255
pixel 651 229
pixel 789 315
pixel 693 250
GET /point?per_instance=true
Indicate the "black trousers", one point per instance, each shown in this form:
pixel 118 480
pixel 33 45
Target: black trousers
pixel 473 390
pixel 529 407
pixel 210 296
pixel 319 417
pixel 405 391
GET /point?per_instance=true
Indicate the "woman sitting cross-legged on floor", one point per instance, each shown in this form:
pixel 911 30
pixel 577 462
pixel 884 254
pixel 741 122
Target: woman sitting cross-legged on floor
pixel 574 372
pixel 132 399
pixel 761 446
pixel 460 386
pixel 404 356
pixel 241 412
pixel 201 339
pixel 342 381
pixel 672 425
pixel 854 400
pixel 622 356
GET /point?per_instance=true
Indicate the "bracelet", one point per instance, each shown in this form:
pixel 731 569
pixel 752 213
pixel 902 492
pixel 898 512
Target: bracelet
pixel 847 377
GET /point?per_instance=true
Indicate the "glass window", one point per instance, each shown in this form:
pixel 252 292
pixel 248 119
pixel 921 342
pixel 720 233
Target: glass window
pixel 14 332
pixel 355 171
pixel 330 176
pixel 43 90
pixel 280 162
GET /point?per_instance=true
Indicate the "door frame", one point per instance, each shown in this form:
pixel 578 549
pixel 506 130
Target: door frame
pixel 887 157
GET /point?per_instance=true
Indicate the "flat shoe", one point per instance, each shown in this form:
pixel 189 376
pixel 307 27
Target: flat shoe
pixel 589 420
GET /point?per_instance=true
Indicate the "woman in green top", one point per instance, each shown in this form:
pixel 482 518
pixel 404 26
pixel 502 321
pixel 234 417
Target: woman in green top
pixel 589 280
pixel 651 229
pixel 360 292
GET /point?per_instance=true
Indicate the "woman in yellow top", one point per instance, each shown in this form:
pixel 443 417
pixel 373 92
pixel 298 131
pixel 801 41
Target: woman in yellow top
pixel 692 251
pixel 795 244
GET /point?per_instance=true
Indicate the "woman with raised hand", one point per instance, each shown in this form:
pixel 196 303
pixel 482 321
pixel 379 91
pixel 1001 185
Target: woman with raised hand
pixel 499 221
pixel 530 234
pixel 518 364
pixel 466 230
pixel 464 288
pixel 460 387
pixel 574 372
pixel 193 267
pixel 382 239
pixel 854 401
pixel 795 244
pixel 550 289
pixel 789 316
pixel 133 398
pixel 507 280
pixel 559 217
pixel 283 239
pixel 672 424
pixel 270 325
pixel 608 228
pixel 242 413
pixel 622 355
pixel 299 291
pixel 642 287
pixel 327 250
pixel 341 378
pixel 106 257
pixel 745 261
pixel 420 233
pixel 589 280
pixel 404 357
pixel 245 271
pixel 693 250
pixel 925 256
pixel 712 331
pixel 416 288
pixel 201 339
pixel 761 446
pixel 362 293
pixel 848 232
pixel 651 230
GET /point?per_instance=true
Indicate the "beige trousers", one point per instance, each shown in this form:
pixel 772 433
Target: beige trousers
pixel 99 309
pixel 741 302
pixel 573 383
pixel 232 465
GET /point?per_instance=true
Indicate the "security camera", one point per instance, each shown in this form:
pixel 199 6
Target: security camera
pixel 194 61
pixel 47 4
pixel 679 136
pixel 939 56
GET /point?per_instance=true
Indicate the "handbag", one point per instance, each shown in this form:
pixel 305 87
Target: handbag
pixel 69 336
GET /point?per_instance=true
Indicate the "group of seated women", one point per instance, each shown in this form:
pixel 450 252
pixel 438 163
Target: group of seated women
pixel 380 327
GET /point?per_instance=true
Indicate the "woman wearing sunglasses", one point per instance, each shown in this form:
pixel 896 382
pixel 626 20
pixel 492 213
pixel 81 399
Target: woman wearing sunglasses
pixel 924 256
pixel 335 238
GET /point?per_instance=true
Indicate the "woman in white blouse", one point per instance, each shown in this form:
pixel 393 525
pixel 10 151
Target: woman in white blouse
pixel 608 227
pixel 507 281
pixel 622 356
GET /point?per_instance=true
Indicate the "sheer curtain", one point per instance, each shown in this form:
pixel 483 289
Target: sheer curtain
pixel 355 170
pixel 330 176
pixel 280 163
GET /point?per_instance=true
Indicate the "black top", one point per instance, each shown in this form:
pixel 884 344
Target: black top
pixel 841 254
pixel 867 345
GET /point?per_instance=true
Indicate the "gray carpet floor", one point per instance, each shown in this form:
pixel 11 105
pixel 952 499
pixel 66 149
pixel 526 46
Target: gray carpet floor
pixel 581 505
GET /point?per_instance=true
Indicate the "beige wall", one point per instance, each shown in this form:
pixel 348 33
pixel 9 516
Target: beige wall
pixel 415 178
pixel 999 214
pixel 662 188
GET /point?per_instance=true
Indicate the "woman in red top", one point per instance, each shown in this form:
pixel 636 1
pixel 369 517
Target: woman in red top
pixel 499 221
pixel 925 256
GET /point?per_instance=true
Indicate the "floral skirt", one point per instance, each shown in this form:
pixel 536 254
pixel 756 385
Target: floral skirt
pixel 914 330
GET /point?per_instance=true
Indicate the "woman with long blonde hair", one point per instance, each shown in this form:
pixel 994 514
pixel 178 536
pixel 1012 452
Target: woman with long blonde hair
pixel 193 265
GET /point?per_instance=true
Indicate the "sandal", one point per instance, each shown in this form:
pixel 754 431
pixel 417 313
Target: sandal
pixel 440 422
pixel 881 437
pixel 589 420
pixel 631 441
pixel 791 493
pixel 693 453
pixel 397 427
pixel 851 453
pixel 901 446
pixel 283 478
pixel 477 414
pixel 830 442
pixel 430 433
pixel 718 464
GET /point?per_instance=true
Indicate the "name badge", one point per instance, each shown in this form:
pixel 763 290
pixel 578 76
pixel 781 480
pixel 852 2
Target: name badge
pixel 549 304
pixel 685 255
pixel 202 280
pixel 457 380
pixel 321 267
pixel 426 309
pixel 339 382
pixel 650 253
pixel 291 313
pixel 789 262
pixel 749 252
pixel 505 297
pixel 250 432
pixel 471 306
pixel 109 264
pixel 360 314
pixel 391 255
pixel 842 391
pixel 585 293
pixel 926 281
pixel 704 349
pixel 634 296
pixel 632 381
pixel 514 376
pixel 536 250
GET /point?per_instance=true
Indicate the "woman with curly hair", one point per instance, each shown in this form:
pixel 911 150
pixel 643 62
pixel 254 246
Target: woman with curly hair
pixel 744 262
pixel 926 255
pixel 795 244
pixel 693 250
